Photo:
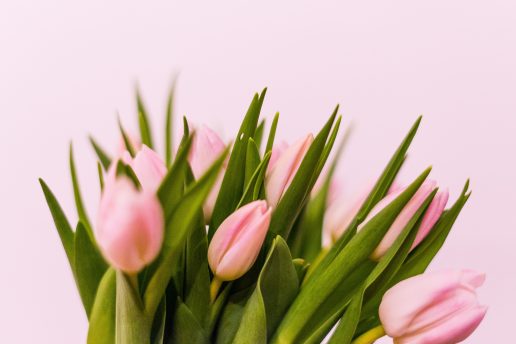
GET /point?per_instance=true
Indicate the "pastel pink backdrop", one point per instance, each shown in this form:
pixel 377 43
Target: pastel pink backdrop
pixel 66 68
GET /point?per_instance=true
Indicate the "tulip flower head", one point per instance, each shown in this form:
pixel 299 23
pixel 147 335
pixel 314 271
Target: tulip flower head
pixel 130 225
pixel 148 167
pixel 284 169
pixel 436 308
pixel 206 148
pixel 237 242
pixel 431 216
pixel 277 151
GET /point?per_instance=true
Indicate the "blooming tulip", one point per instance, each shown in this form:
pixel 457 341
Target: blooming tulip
pixel 206 148
pixel 148 167
pixel 130 225
pixel 237 242
pixel 285 168
pixel 433 213
pixel 433 308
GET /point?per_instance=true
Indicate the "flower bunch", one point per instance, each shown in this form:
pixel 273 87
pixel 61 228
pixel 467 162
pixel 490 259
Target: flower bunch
pixel 224 243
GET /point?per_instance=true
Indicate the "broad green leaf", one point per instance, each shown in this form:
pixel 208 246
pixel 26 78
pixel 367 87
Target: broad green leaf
pixel 81 211
pixel 89 267
pixel 186 328
pixel 178 225
pixel 272 133
pixel 133 326
pixel 102 326
pixel 229 322
pixel 318 288
pixel 377 193
pixel 232 186
pixel 143 121
pixel 253 159
pixel 291 203
pixel 169 120
pixel 277 286
pixel 63 227
pixel 104 158
pixel 125 137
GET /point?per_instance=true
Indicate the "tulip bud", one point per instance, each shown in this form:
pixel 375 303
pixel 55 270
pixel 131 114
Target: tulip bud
pixel 437 308
pixel 130 225
pixel 276 152
pixel 436 206
pixel 285 168
pixel 149 168
pixel 206 148
pixel 237 242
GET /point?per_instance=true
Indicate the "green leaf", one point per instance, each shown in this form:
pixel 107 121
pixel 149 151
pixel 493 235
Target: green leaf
pixel 104 158
pixel 291 203
pixel 89 267
pixel 133 326
pixel 102 326
pixel 178 226
pixel 173 184
pixel 232 315
pixel 158 325
pixel 63 227
pixel 348 324
pixel 232 186
pixel 81 211
pixel 272 133
pixel 186 328
pixel 301 267
pixel 253 159
pixel 258 135
pixel 277 286
pixel 319 288
pixel 252 191
pixel 127 171
pixel 169 120
pixel 143 121
pixel 197 273
pixel 101 176
pixel 125 137
pixel 377 193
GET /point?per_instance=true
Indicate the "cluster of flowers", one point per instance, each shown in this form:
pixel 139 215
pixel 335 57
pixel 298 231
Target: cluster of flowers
pixel 439 307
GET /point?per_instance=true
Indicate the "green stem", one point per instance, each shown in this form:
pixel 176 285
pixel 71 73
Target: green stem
pixel 370 336
pixel 214 288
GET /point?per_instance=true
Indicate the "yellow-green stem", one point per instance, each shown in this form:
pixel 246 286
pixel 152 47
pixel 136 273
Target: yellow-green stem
pixel 133 279
pixel 214 288
pixel 370 336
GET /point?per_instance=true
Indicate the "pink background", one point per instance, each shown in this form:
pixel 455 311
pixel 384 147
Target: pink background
pixel 66 68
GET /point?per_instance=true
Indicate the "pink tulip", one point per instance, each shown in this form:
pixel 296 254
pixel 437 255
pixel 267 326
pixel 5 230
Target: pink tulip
pixel 277 151
pixel 285 168
pixel 206 148
pixel 433 213
pixel 148 167
pixel 130 225
pixel 238 240
pixel 433 308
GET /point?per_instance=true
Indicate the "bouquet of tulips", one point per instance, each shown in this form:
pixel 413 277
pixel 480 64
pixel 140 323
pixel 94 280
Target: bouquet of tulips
pixel 247 242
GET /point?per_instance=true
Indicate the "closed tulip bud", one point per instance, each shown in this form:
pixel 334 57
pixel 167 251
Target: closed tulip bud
pixel 285 168
pixel 130 225
pixel 206 148
pixel 149 168
pixel 436 206
pixel 434 308
pixel 238 240
pixel 276 152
